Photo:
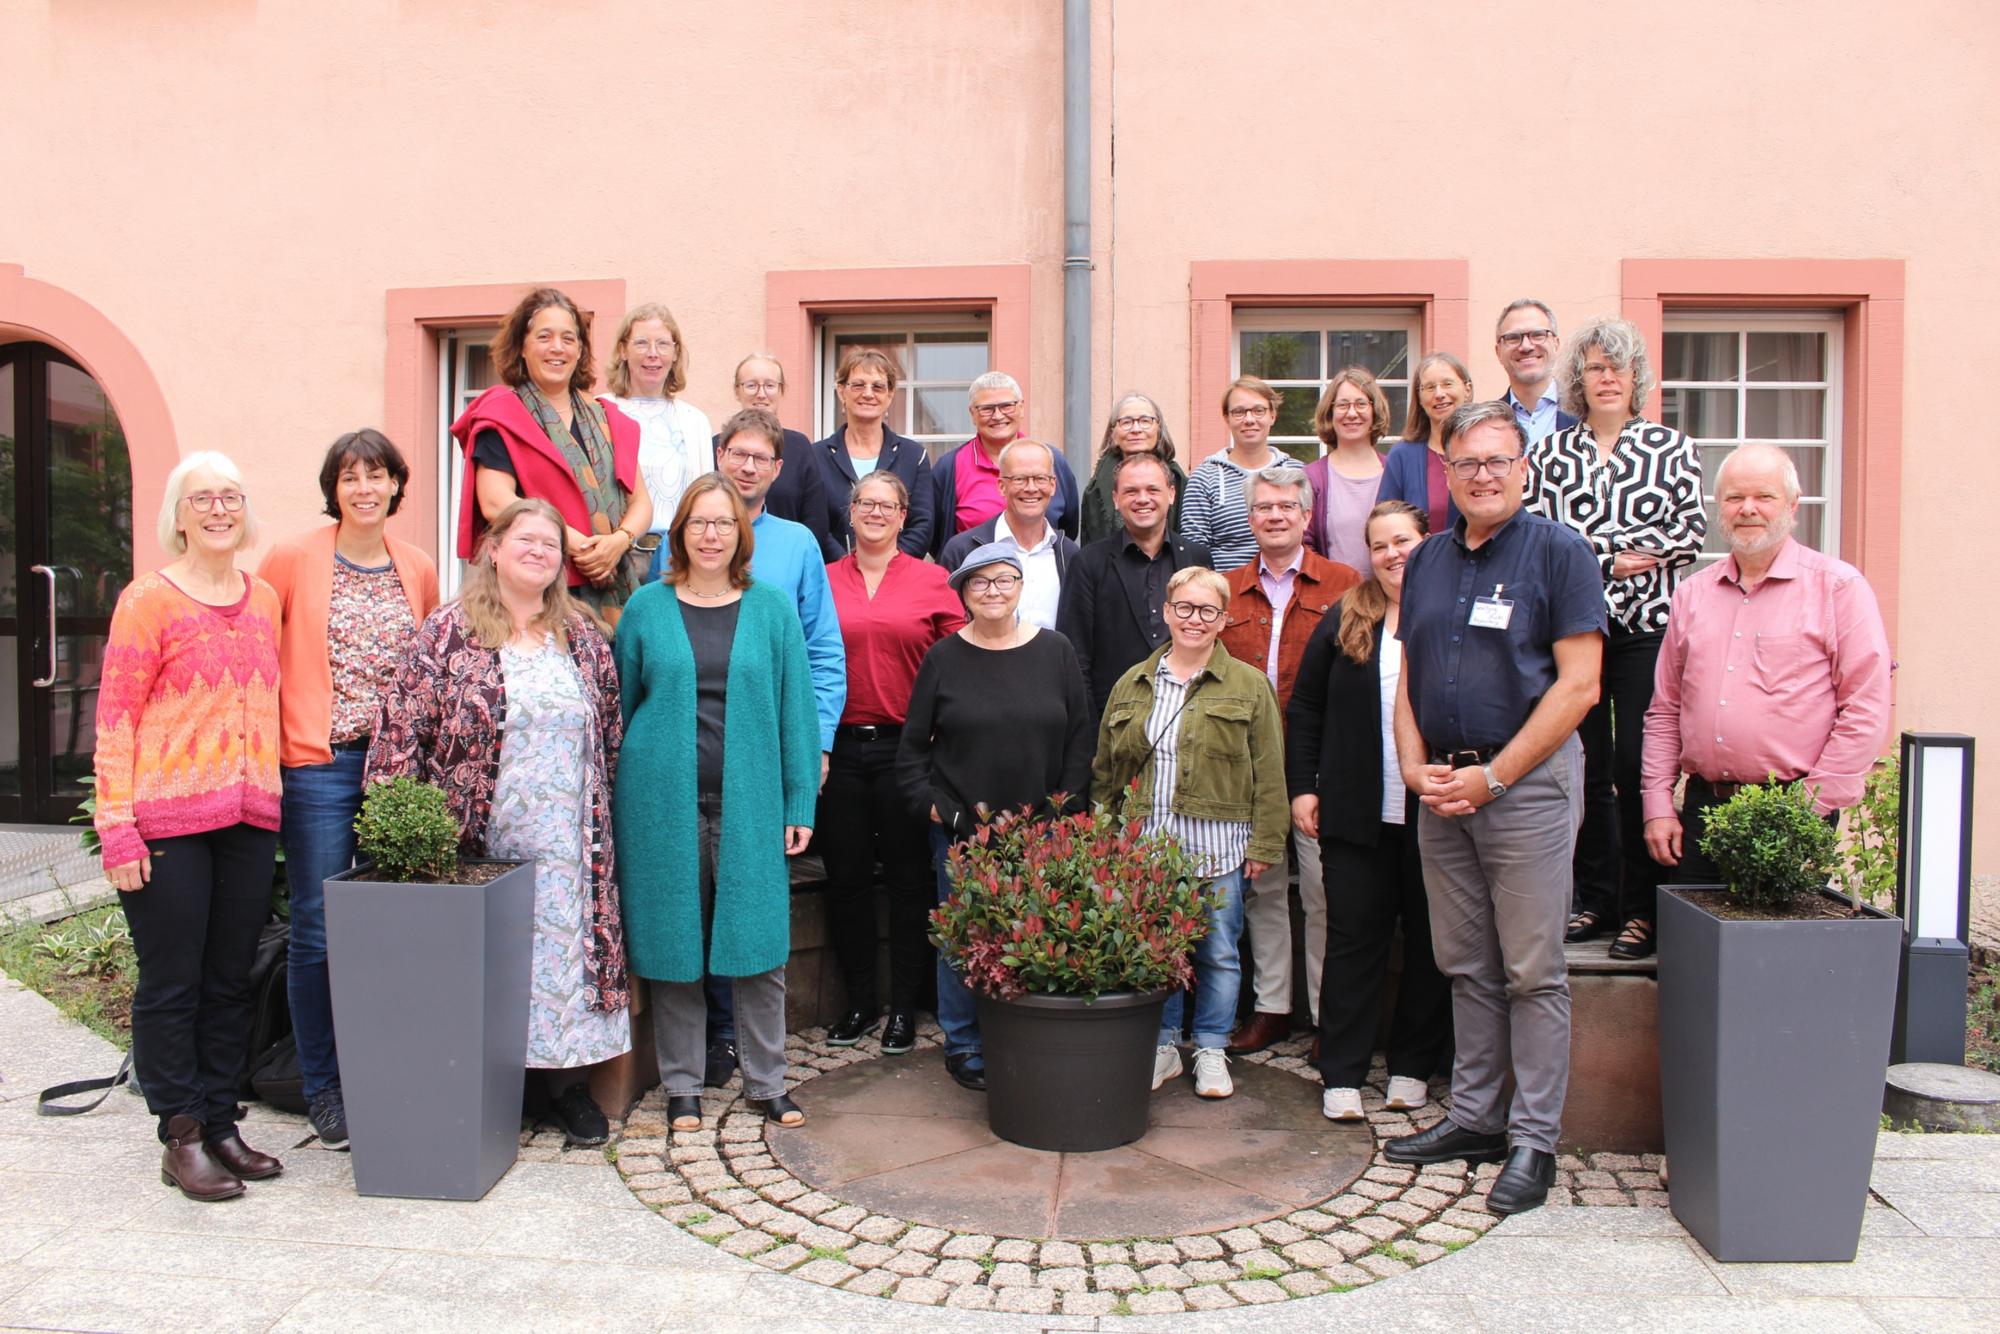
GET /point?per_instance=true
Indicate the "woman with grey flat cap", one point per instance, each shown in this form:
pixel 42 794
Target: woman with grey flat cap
pixel 999 718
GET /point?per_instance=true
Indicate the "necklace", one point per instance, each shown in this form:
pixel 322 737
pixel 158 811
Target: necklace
pixel 698 593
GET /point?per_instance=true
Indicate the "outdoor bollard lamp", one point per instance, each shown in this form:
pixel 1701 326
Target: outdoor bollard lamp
pixel 1933 897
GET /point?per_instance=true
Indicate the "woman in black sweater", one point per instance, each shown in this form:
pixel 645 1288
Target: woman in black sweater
pixel 999 718
pixel 1347 791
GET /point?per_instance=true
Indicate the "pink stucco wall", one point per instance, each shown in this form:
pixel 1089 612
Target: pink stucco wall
pixel 237 188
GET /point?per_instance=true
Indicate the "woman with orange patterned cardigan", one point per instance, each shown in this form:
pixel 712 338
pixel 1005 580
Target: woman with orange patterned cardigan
pixel 187 810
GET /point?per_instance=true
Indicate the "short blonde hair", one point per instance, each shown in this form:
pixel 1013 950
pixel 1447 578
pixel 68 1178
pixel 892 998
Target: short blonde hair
pixel 169 530
pixel 1203 576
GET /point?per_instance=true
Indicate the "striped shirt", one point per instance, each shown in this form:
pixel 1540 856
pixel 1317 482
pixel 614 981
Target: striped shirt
pixel 1217 846
pixel 1217 512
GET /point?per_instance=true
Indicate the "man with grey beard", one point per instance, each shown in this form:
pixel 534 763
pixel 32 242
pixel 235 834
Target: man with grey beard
pixel 1775 665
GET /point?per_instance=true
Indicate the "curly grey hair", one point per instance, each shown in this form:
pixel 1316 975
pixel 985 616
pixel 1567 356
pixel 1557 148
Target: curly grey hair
pixel 1622 345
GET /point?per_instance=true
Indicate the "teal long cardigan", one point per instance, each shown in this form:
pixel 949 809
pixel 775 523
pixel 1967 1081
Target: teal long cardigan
pixel 769 716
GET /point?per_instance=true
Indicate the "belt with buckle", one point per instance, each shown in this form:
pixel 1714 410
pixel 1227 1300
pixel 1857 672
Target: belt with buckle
pixel 871 731
pixel 1724 791
pixel 1459 759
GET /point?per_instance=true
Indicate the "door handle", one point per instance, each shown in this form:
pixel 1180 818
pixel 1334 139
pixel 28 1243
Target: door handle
pixel 49 678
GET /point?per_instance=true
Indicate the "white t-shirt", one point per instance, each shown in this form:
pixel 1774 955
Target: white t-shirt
pixel 674 449
pixel 1393 793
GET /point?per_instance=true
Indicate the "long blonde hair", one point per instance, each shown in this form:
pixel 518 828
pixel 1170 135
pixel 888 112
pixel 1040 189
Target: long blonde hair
pixel 1365 606
pixel 492 625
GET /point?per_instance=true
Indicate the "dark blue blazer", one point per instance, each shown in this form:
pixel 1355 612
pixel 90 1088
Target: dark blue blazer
pixel 900 455
pixel 1065 511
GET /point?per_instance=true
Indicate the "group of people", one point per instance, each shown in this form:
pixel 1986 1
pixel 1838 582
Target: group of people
pixel 1413 679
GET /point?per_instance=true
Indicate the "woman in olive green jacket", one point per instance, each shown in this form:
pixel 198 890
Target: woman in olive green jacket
pixel 1195 735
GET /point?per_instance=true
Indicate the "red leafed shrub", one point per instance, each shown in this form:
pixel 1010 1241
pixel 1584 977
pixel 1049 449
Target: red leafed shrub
pixel 1070 905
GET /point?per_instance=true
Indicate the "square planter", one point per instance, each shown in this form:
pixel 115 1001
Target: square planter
pixel 1774 1042
pixel 430 1010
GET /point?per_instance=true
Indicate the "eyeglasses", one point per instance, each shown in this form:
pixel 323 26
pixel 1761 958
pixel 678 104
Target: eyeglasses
pixel 1030 478
pixel 759 386
pixel 1133 423
pixel 738 457
pixel 876 506
pixel 1496 467
pixel 721 527
pixel 995 411
pixel 860 387
pixel 1429 387
pixel 1597 370
pixel 201 502
pixel 1532 337
pixel 1343 407
pixel 1265 508
pixel 997 583
pixel 1249 413
pixel 1188 611
pixel 646 347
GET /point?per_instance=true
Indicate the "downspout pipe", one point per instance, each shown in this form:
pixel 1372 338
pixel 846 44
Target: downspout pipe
pixel 1076 236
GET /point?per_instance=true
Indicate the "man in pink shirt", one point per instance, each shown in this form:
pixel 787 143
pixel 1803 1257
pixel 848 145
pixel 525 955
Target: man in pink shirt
pixel 1776 664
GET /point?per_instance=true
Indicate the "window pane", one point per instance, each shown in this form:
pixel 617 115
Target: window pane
pixel 1699 412
pixel 941 412
pixel 951 356
pixel 1716 543
pixel 1381 352
pixel 1787 356
pixel 478 370
pixel 1785 414
pixel 1700 356
pixel 1305 451
pixel 1812 526
pixel 1295 414
pixel 1280 356
pixel 1811 464
pixel 1711 463
pixel 1399 411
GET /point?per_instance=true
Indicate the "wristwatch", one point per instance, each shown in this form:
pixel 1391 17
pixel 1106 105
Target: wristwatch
pixel 1494 787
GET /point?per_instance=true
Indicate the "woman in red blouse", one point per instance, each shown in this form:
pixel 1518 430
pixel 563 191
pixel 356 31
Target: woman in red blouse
pixel 892 608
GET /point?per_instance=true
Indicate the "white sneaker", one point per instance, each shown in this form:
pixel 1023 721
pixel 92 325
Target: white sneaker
pixel 1406 1094
pixel 1342 1105
pixel 1166 1064
pixel 1211 1073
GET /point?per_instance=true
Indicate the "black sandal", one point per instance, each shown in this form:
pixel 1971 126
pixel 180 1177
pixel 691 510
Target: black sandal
pixel 780 1111
pixel 684 1113
pixel 1586 925
pixel 1635 941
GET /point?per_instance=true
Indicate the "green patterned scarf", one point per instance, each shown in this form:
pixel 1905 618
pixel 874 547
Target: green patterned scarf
pixel 590 462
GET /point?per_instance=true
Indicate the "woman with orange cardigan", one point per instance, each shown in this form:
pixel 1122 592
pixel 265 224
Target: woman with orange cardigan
pixel 352 599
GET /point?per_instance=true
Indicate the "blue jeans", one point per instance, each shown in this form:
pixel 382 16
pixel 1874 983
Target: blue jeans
pixel 317 819
pixel 1218 973
pixel 957 1011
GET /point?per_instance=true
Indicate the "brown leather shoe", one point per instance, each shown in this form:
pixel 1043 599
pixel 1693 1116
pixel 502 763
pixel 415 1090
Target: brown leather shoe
pixel 1260 1032
pixel 189 1166
pixel 243 1160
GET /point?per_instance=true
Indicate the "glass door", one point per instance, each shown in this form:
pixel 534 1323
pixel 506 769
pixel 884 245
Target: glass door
pixel 65 553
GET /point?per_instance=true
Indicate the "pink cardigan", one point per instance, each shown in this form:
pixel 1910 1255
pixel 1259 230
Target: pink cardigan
pixel 302 574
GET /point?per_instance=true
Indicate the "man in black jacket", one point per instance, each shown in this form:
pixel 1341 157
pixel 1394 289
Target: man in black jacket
pixel 1112 596
pixel 1027 481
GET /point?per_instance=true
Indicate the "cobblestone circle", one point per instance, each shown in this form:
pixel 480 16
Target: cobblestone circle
pixel 720 1184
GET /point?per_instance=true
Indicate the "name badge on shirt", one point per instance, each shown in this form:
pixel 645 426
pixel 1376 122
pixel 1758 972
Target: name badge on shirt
pixel 1492 613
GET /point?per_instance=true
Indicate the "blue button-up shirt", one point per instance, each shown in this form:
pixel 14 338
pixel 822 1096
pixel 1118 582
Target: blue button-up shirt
pixel 1472 687
pixel 1539 420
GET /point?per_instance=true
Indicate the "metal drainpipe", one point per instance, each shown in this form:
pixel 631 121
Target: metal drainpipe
pixel 1076 236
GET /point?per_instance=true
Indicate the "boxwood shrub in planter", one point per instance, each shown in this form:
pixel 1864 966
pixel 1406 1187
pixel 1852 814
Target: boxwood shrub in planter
pixel 1071 931
pixel 428 959
pixel 1776 1001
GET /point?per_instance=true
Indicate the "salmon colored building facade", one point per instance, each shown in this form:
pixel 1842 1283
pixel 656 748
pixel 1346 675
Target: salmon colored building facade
pixel 252 225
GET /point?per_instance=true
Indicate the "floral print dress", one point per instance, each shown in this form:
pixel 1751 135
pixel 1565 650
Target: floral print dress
pixel 541 810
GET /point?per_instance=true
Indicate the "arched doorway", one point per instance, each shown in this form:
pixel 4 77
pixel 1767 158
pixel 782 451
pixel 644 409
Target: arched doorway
pixel 65 553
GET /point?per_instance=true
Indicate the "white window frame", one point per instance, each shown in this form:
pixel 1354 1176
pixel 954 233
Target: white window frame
pixel 826 408
pixel 454 372
pixel 1324 320
pixel 1744 322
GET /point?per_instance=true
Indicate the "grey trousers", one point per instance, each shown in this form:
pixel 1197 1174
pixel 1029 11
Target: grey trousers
pixel 1498 882
pixel 680 1009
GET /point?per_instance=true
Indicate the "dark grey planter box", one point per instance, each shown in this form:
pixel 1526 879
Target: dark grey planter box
pixel 430 1010
pixel 1774 1041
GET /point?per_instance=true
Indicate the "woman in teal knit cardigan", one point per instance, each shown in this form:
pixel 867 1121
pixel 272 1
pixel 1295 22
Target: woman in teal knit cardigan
pixel 718 781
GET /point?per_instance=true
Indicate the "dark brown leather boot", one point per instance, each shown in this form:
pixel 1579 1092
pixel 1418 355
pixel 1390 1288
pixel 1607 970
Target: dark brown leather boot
pixel 243 1160
pixel 188 1165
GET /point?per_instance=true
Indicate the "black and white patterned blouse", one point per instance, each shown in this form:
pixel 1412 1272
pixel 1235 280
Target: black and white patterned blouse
pixel 1645 497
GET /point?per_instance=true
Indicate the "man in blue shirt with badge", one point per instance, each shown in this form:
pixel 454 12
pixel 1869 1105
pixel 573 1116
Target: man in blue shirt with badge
pixel 1503 640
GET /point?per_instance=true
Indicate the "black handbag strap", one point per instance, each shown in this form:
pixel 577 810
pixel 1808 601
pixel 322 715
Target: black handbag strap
pixel 46 1103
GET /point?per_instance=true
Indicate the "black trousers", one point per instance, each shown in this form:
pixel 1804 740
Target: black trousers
pixel 1695 867
pixel 1368 891
pixel 195 926
pixel 862 820
pixel 1614 876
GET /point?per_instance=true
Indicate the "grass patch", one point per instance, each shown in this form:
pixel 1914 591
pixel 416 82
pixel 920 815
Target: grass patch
pixel 1121 1307
pixel 1982 1021
pixel 83 965
pixel 697 1218
pixel 986 1263
pixel 1261 1271
pixel 829 1253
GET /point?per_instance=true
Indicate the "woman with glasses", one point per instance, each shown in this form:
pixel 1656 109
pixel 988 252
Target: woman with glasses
pixel 539 434
pixel 892 606
pixel 721 773
pixel 1352 414
pixel 187 814
pixel 1348 795
pixel 998 719
pixel 1415 469
pixel 863 446
pixel 1135 427
pixel 1217 511
pixel 646 374
pixel 1632 488
pixel 1199 732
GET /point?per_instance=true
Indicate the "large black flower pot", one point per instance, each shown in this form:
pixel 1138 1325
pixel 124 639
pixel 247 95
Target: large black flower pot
pixel 1774 1042
pixel 1067 1073
pixel 430 1011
